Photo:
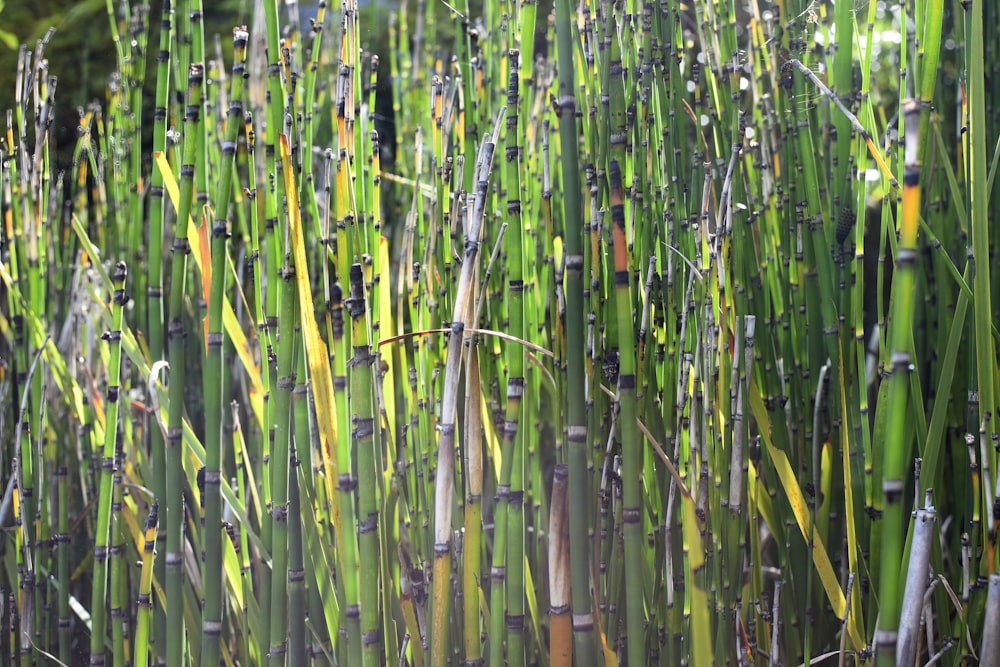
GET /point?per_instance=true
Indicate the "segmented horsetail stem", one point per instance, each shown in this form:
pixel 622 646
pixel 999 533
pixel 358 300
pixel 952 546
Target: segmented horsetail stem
pixel 732 351
pixel 576 435
pixel 346 482
pixel 445 479
pixel 897 444
pixel 144 611
pixel 62 542
pixel 214 367
pixel 632 450
pixel 513 435
pixel 154 290
pixel 364 443
pixel 99 596
pixel 120 618
pixel 280 456
pixel 174 499
pixel 471 568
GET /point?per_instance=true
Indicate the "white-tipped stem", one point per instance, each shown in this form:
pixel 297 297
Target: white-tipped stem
pixel 948 645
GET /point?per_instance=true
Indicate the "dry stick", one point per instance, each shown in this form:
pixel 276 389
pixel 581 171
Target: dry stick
pixel 855 123
pixel 940 654
pixel 663 457
pixel 472 330
pixel 445 477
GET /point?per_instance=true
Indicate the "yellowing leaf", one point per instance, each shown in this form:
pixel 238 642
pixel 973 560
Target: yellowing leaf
pixel 821 560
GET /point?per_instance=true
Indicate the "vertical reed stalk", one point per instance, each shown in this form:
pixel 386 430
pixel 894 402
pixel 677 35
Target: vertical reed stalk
pixel 119 614
pixel 445 480
pixel 631 438
pixel 897 443
pixel 104 509
pixel 471 549
pixel 513 435
pixel 214 369
pixel 576 411
pixel 362 436
pixel 174 499
pixel 278 610
pixel 144 605
pixel 62 540
pixel 154 295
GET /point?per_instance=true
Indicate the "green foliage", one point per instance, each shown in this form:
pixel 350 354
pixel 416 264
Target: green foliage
pixel 643 332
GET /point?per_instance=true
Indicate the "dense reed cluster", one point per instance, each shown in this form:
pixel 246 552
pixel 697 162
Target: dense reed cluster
pixel 636 332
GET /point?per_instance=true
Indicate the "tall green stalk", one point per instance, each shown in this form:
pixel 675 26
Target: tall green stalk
pixel 214 369
pixel 631 440
pixel 983 252
pixel 897 436
pixel 174 499
pixel 287 323
pixel 513 435
pixel 99 591
pixel 362 436
pixel 154 294
pixel 144 611
pixel 62 541
pixel 576 411
pixel 120 619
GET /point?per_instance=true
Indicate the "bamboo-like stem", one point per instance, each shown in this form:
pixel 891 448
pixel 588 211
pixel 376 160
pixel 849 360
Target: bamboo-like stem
pixel 631 438
pixel 154 298
pixel 275 254
pixel 144 611
pixel 472 546
pixel 445 480
pixel 119 613
pixel 897 443
pixel 982 248
pixel 560 635
pixel 296 566
pixel 916 584
pixel 346 482
pixel 62 541
pixel 576 412
pixel 214 367
pixel 278 610
pixel 104 509
pixel 362 436
pixel 174 499
pixel 513 434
